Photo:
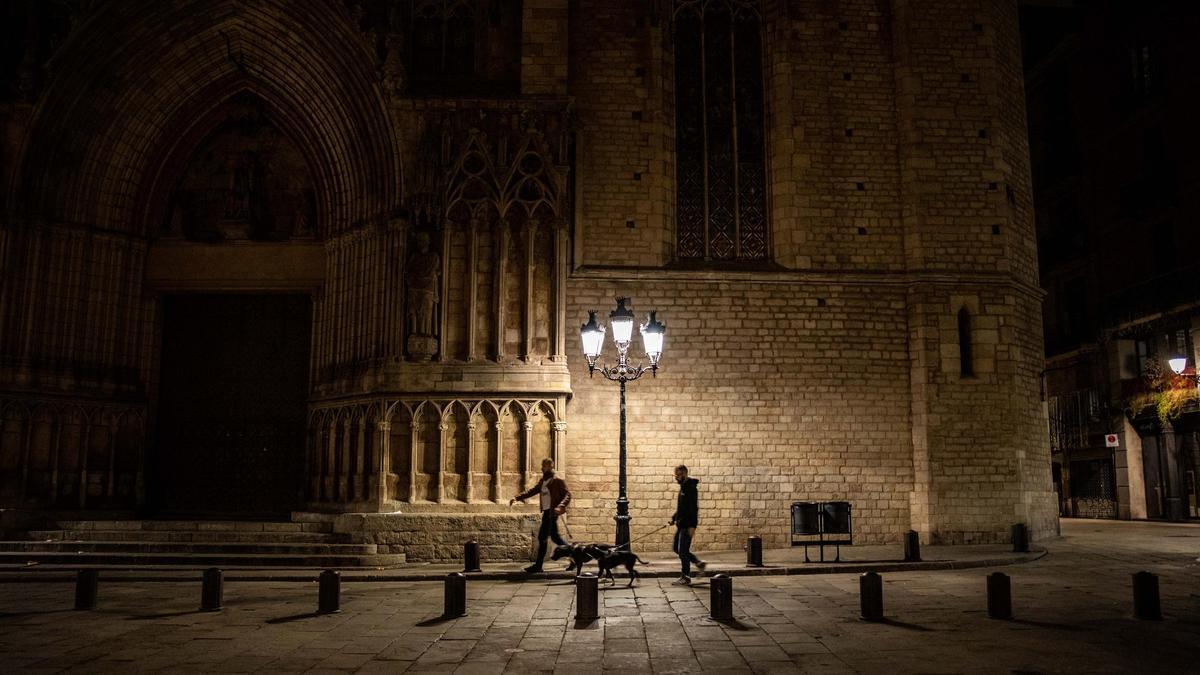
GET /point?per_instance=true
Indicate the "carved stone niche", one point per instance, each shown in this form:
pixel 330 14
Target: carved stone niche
pixel 245 181
pixel 422 289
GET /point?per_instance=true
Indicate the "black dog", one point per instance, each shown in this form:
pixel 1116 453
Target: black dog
pixel 580 554
pixel 617 558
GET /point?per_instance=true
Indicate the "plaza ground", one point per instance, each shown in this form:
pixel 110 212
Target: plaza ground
pixel 1073 609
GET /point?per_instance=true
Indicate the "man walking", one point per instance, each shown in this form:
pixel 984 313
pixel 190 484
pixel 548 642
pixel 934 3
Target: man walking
pixel 686 518
pixel 553 497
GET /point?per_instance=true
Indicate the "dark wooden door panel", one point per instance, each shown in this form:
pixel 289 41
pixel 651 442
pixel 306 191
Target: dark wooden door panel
pixel 234 384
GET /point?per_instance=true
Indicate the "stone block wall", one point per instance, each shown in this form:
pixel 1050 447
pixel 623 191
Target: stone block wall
pixel 772 390
pixel 437 537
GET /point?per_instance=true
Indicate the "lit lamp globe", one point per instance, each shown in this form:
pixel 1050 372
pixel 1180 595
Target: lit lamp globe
pixel 652 339
pixel 621 320
pixel 1178 364
pixel 593 341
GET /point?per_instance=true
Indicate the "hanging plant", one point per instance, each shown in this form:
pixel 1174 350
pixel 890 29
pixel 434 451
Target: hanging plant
pixel 1167 393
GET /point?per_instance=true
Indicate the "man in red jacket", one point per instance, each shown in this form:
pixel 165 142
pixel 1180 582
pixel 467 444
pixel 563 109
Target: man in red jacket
pixel 553 497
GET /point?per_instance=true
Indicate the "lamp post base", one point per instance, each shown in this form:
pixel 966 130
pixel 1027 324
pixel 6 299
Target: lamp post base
pixel 623 528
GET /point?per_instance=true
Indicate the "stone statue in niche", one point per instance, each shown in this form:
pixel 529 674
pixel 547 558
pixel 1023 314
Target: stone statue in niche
pixel 241 203
pixel 421 278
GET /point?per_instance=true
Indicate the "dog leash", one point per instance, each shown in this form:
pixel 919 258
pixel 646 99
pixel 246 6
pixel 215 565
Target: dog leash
pixel 641 537
pixel 566 527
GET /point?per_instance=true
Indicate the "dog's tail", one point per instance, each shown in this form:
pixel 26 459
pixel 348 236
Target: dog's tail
pixel 635 557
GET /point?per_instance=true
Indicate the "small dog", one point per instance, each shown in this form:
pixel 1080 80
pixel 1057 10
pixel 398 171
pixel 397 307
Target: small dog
pixel 616 558
pixel 580 554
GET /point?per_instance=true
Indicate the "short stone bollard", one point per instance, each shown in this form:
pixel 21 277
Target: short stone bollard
pixel 754 552
pixel 329 593
pixel 999 596
pixel 912 547
pixel 720 599
pixel 471 556
pixel 587 597
pixel 870 596
pixel 455 596
pixel 1146 602
pixel 212 590
pixel 1020 538
pixel 87 584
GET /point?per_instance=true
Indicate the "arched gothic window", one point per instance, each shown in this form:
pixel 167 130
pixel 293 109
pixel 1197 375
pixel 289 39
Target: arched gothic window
pixel 720 140
pixel 966 364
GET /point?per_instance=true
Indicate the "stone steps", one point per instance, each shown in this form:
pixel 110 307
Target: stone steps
pixel 198 525
pixel 307 543
pixel 199 536
pixel 241 548
pixel 21 559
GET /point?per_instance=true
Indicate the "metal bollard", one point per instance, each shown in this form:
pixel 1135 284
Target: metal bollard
pixel 456 595
pixel 1146 603
pixel 86 588
pixel 754 552
pixel 870 596
pixel 329 594
pixel 1020 538
pixel 999 596
pixel 912 547
pixel 720 597
pixel 587 600
pixel 471 556
pixel 212 590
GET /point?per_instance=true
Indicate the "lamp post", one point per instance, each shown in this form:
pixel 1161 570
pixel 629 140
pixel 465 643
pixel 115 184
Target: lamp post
pixel 621 320
pixel 1170 476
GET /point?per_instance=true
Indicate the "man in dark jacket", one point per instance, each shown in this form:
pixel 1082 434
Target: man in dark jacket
pixel 686 518
pixel 553 497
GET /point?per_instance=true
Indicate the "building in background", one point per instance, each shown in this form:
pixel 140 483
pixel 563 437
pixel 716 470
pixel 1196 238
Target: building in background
pixel 331 256
pixel 1111 92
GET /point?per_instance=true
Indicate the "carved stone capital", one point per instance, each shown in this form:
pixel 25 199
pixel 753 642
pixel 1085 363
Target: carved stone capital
pixel 383 427
pixel 560 427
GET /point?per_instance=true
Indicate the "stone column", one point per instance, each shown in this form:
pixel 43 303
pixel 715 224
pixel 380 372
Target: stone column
pixel 470 477
pixel 559 345
pixel 472 289
pixel 530 263
pixel 360 479
pixel 383 463
pixel 441 462
pixel 414 450
pixel 560 438
pixel 501 270
pixel 496 482
pixel 528 455
pixel 86 439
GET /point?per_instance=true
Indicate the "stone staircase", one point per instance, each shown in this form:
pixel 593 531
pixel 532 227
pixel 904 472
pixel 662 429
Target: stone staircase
pixel 194 543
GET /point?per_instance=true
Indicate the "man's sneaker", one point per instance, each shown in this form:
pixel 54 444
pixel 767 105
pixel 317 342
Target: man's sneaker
pixel 701 565
pixel 683 581
pixel 533 569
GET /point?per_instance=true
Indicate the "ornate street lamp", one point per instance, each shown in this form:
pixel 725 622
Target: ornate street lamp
pixel 621 320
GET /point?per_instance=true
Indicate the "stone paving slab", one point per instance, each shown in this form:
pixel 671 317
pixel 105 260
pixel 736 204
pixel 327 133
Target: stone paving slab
pixel 1072 609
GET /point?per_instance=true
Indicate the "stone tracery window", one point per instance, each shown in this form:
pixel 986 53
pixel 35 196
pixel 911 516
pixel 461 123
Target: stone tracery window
pixel 720 143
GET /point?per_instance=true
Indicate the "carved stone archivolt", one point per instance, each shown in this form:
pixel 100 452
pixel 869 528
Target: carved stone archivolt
pixel 381 454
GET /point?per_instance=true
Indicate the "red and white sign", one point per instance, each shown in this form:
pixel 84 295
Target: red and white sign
pixel 1110 441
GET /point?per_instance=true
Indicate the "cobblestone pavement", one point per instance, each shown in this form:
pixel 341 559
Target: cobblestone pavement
pixel 1073 614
